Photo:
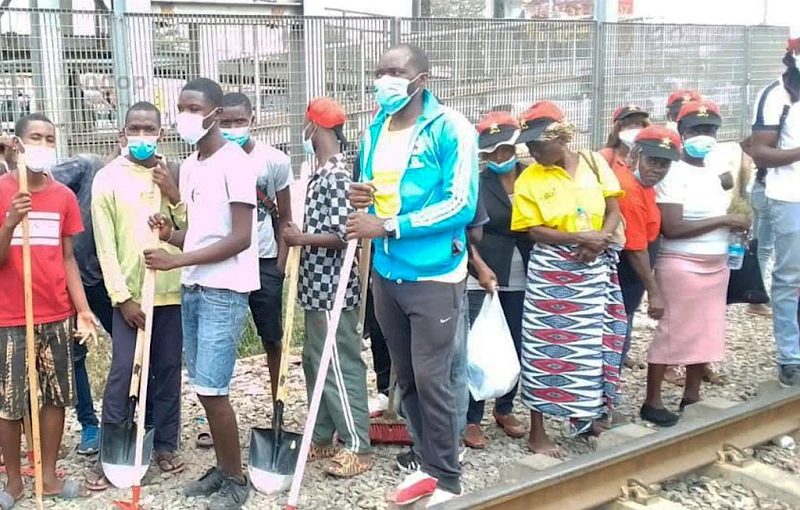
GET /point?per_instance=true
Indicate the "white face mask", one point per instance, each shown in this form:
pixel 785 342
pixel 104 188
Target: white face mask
pixel 190 126
pixel 39 159
pixel 628 137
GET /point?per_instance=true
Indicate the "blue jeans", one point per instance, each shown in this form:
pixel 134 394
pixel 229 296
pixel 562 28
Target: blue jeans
pixel 786 279
pixel 213 322
pixel 762 226
pixel 458 374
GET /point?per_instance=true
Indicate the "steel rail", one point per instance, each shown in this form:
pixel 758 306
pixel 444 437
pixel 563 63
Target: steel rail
pixel 598 478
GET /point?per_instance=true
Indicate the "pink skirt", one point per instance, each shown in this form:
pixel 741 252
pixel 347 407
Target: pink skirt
pixel 694 288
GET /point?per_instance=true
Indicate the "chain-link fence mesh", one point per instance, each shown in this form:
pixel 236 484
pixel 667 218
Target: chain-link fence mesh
pixel 84 69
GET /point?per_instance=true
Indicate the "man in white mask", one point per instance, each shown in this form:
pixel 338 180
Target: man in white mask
pixel 775 147
pixel 220 261
pixel 59 301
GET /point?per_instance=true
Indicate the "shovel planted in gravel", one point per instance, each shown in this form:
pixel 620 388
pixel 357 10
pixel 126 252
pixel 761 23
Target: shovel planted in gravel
pixel 126 448
pixel 274 451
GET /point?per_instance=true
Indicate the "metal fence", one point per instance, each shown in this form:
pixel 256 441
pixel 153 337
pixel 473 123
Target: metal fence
pixel 85 68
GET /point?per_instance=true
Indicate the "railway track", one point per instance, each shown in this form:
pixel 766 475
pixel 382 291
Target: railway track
pixel 628 474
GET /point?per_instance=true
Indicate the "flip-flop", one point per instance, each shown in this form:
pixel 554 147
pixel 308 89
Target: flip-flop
pixel 204 440
pixel 100 482
pixel 171 460
pixel 7 501
pixel 71 490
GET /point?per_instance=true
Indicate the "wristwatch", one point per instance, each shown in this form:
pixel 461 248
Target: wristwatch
pixel 390 226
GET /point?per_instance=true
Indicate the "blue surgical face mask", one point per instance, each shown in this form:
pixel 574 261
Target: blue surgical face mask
pixel 308 144
pixel 142 147
pixel 238 135
pixel 504 167
pixel 699 147
pixel 391 92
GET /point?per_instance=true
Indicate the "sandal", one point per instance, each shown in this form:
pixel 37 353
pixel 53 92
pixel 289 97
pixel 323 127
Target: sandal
pixel 347 464
pixel 169 462
pixel 70 490
pixel 317 452
pixel 96 480
pixel 204 440
pixel 675 375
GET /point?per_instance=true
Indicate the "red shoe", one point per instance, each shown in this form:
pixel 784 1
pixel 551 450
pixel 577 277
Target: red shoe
pixel 416 486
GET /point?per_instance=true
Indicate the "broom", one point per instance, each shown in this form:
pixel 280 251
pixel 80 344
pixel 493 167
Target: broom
pixel 389 428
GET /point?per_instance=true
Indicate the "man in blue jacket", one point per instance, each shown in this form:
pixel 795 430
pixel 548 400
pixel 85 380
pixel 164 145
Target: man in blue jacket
pixel 419 180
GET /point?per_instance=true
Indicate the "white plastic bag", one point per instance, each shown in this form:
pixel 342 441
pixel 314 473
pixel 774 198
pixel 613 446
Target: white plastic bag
pixel 492 363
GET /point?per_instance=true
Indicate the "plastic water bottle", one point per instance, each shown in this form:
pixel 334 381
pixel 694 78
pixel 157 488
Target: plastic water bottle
pixel 583 221
pixel 736 249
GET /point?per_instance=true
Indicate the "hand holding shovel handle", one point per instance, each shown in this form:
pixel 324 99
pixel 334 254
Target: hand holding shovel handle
pixel 33 377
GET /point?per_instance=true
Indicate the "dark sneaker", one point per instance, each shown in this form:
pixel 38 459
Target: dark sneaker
pixel 90 441
pixel 789 376
pixel 208 484
pixel 660 417
pixel 231 496
pixel 408 462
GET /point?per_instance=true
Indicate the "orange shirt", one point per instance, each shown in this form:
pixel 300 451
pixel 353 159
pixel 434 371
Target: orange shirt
pixel 638 205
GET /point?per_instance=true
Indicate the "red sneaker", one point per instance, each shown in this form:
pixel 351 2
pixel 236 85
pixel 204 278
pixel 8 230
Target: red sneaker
pixel 416 486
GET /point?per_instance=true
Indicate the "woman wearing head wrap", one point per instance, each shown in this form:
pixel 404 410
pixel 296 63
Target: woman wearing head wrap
pixel 573 320
pixel 691 270
pixel 499 262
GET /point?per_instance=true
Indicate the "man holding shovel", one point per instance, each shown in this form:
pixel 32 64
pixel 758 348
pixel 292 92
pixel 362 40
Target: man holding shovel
pixel 344 402
pixel 220 256
pixel 122 203
pixel 420 182
pixel 58 296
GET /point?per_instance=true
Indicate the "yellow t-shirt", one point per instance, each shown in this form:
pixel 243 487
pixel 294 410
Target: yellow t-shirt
pixel 548 196
pixel 388 164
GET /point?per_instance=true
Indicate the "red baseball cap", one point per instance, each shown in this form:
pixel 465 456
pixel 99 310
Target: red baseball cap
pixel 660 142
pixel 495 129
pixel 325 112
pixel 536 119
pixel 626 111
pixel 698 113
pixel 679 98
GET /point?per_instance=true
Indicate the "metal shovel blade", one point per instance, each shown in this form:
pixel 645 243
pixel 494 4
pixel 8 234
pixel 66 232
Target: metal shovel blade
pixel 273 457
pixel 118 454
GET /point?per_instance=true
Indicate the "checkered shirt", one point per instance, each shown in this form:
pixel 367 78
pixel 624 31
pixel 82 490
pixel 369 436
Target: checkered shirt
pixel 327 208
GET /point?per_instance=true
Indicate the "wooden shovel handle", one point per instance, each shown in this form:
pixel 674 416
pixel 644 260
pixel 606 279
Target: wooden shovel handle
pixel 30 344
pixel 292 273
pixel 364 260
pixel 148 302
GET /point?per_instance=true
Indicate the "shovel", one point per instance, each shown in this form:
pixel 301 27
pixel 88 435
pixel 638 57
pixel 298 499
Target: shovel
pixel 125 450
pixel 274 452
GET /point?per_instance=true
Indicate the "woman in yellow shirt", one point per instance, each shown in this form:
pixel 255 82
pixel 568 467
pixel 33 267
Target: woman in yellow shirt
pixel 574 320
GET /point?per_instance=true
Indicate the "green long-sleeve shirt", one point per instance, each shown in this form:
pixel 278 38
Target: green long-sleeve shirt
pixel 122 201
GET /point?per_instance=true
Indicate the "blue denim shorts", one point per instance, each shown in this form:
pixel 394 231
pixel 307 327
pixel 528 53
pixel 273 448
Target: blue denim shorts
pixel 213 322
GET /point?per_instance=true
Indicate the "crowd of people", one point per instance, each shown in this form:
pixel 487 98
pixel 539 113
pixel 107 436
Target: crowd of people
pixel 570 240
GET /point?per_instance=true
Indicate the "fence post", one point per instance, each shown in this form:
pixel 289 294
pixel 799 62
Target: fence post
pixel 394 34
pixel 50 81
pixel 599 88
pixel 748 41
pixel 296 84
pixel 119 58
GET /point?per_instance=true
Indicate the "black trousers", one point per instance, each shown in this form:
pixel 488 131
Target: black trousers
pixel 420 321
pixel 164 387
